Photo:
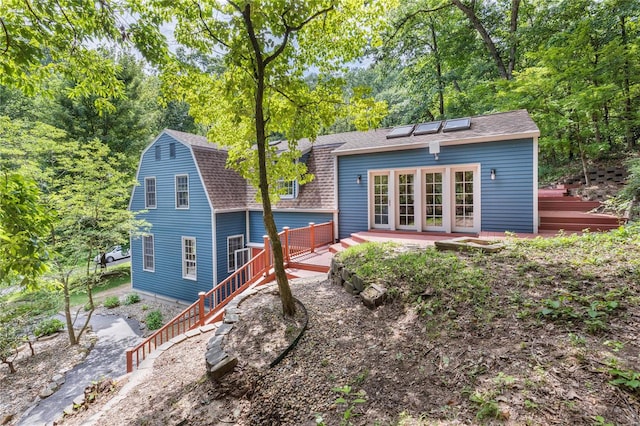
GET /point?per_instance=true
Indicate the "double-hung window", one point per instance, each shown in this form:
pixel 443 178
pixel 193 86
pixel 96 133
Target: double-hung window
pixel 150 193
pixel 182 191
pixel 234 243
pixel 287 188
pixel 148 254
pixel 189 258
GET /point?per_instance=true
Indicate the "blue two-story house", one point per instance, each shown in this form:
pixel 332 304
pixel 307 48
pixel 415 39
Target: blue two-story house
pixel 465 175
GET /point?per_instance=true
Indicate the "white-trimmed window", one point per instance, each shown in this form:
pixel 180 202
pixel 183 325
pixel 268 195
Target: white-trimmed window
pixel 150 192
pixel 290 188
pixel 234 243
pixel 182 191
pixel 148 254
pixel 189 258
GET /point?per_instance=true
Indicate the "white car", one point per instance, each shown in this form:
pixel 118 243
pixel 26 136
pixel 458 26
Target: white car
pixel 113 254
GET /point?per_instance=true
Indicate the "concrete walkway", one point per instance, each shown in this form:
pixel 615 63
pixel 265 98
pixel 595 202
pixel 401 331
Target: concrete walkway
pixel 106 359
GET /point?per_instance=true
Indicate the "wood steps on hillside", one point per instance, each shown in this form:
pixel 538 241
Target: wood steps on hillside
pixel 559 211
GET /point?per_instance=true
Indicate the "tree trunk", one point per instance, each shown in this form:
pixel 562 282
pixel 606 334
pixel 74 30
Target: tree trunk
pixel 626 87
pixel 89 314
pixel 67 312
pixel 436 54
pixel 486 38
pixel 288 304
pixel 513 42
pixel 583 157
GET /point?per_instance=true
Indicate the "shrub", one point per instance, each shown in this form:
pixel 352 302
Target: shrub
pixel 154 320
pixel 48 326
pixel 111 302
pixel 131 298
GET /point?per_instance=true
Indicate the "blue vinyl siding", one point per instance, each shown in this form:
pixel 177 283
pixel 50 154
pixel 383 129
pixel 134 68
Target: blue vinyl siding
pixel 506 203
pixel 227 224
pixel 169 225
pixel 282 219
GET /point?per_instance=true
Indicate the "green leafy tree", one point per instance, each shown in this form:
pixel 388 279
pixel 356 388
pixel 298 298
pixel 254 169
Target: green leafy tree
pixel 91 192
pixel 86 185
pixel 24 226
pixel 266 49
pixel 40 40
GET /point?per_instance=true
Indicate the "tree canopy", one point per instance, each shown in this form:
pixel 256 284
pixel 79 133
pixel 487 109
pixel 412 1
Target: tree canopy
pixel 266 48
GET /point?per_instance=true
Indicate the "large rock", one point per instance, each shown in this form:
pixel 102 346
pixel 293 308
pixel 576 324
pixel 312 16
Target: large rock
pixel 357 283
pixel 222 368
pixel 373 296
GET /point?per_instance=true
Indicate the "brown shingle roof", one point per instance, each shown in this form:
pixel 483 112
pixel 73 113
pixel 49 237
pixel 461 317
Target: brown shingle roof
pixel 226 188
pixel 500 126
pixel 191 139
pixel 317 194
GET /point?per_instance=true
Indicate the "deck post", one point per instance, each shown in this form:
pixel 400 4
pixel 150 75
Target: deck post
pixel 285 247
pixel 333 233
pixel 201 307
pixel 267 255
pixel 312 237
pixel 129 360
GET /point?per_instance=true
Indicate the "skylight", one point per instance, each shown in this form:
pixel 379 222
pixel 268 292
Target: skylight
pixel 457 124
pixel 427 128
pixel 400 132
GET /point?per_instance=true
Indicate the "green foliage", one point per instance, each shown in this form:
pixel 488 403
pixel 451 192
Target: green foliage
pixel 131 298
pixel 628 379
pixel 349 401
pixel 48 326
pixel 10 339
pixel 487 405
pixel 49 37
pixel 154 320
pixel 111 302
pixel 437 283
pixel 24 225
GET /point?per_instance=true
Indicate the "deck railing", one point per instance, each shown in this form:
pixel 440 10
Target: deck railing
pixel 208 307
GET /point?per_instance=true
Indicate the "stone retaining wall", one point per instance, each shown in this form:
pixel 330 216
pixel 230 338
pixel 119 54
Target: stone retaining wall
pixel 372 295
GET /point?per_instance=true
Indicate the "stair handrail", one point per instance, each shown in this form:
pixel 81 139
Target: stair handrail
pixel 209 305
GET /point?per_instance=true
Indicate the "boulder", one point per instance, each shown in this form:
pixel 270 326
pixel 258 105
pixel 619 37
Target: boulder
pixel 222 368
pixel 373 296
pixel 357 283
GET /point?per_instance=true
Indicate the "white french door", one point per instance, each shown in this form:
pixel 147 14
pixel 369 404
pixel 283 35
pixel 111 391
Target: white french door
pixel 435 208
pixel 442 199
pixel 465 200
pixel 405 201
pixel 380 201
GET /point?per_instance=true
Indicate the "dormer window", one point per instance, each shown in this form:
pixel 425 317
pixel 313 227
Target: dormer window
pixel 290 188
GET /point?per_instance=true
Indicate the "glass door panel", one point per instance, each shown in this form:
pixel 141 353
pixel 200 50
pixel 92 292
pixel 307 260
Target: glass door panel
pixel 433 201
pixel 406 202
pixel 380 201
pixel 464 218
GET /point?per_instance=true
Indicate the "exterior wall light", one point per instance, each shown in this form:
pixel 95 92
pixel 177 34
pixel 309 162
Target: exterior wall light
pixel 359 179
pixel 493 174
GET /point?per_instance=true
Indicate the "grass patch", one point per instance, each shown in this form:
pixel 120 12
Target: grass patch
pixel 115 278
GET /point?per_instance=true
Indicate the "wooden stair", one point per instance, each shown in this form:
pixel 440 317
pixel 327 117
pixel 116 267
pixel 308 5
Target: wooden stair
pixel 560 211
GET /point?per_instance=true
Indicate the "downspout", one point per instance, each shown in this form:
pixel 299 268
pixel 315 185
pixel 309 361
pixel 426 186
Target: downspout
pixel 336 228
pixel 536 216
pixel 214 248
